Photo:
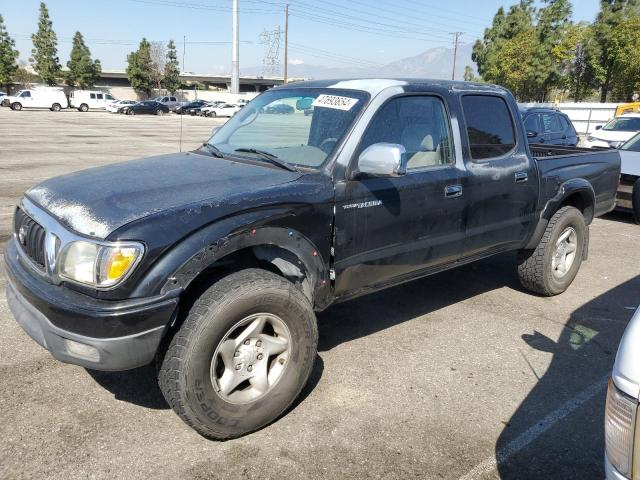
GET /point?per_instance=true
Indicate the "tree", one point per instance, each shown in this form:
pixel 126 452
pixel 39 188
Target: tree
pixel 45 52
pixel 158 54
pixel 172 69
pixel 612 14
pixel 625 41
pixel 578 58
pixel 83 71
pixel 23 76
pixel 139 69
pixel 8 56
pixel 469 75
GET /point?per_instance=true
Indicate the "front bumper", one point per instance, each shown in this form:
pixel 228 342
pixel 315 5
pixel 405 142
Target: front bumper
pixel 78 329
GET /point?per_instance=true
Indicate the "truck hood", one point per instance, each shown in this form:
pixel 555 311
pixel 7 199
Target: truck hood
pixel 611 135
pixel 97 201
pixel 630 162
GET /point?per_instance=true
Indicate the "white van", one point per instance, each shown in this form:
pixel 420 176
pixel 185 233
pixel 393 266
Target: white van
pixel 40 97
pixel 83 100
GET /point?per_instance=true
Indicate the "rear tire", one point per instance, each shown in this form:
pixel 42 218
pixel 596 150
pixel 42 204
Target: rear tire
pixel 553 265
pixel 56 107
pixel 636 201
pixel 159 112
pixel 17 106
pixel 264 366
pixel 84 107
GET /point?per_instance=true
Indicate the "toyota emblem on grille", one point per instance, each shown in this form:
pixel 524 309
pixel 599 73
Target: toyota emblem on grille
pixel 22 235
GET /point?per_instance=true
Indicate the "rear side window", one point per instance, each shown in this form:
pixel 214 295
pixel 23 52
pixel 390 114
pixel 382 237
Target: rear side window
pixel 92 96
pixel 566 124
pixel 99 96
pixel 489 126
pixel 551 123
pixel 532 124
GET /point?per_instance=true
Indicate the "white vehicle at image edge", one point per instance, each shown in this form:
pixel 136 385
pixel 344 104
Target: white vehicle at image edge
pixel 41 97
pixel 621 432
pixel 84 100
pixel 615 132
pixel 222 110
pixel 118 104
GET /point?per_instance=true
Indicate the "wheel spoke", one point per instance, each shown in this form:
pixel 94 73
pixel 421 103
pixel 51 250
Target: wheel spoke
pixel 260 380
pixel 229 381
pixel 274 345
pixel 226 351
pixel 564 236
pixel 571 247
pixel 252 330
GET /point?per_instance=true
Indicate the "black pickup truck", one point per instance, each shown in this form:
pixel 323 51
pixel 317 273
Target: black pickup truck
pixel 214 262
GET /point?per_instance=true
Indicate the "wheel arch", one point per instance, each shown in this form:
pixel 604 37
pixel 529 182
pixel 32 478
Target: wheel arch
pixel 576 193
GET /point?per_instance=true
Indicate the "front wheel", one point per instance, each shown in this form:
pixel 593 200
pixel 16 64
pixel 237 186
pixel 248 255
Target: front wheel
pixel 552 266
pixel 242 355
pixel 159 112
pixel 56 107
pixel 84 107
pixel 17 106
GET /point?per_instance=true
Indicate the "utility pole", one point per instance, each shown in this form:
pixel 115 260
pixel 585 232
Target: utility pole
pixel 456 36
pixel 235 51
pixel 286 41
pixel 184 49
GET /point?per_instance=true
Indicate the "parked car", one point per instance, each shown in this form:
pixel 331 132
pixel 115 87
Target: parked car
pixel 198 109
pixel 84 100
pixel 40 97
pixel 629 189
pixel 215 261
pixel 185 108
pixel 280 108
pixel 115 107
pixel 620 427
pixel 548 126
pixel 615 132
pixel 148 107
pixel 2 95
pixel 169 101
pixel 223 110
pixel 205 110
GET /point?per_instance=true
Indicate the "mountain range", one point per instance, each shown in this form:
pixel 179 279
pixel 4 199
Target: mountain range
pixel 433 63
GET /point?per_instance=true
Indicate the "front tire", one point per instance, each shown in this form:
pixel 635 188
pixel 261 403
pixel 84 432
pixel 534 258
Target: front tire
pixel 159 112
pixel 636 201
pixel 84 107
pixel 553 265
pixel 56 107
pixel 242 355
pixel 17 106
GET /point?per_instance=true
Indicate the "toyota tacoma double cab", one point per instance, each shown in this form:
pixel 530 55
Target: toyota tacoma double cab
pixel 214 262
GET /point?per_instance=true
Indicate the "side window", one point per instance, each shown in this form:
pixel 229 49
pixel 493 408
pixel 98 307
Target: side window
pixel 26 94
pixel 489 126
pixel 420 124
pixel 99 96
pixel 109 97
pixel 531 123
pixel 551 123
pixel 564 122
pixel 92 96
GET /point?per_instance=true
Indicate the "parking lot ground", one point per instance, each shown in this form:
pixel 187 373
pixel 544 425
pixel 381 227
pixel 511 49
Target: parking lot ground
pixel 460 375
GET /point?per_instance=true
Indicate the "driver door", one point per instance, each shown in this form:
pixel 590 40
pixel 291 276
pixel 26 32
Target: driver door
pixel 387 229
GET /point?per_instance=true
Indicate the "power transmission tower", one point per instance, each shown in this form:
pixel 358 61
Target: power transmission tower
pixel 456 36
pixel 286 42
pixel 271 41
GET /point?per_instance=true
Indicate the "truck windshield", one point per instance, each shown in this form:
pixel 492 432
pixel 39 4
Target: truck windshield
pixel 301 127
pixel 633 144
pixel 623 124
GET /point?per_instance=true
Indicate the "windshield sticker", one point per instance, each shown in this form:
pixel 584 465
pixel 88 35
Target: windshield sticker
pixel 335 101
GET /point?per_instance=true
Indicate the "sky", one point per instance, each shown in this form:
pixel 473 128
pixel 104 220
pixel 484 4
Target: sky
pixel 334 33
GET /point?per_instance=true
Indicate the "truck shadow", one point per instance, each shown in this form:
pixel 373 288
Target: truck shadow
pixel 573 445
pixel 618 216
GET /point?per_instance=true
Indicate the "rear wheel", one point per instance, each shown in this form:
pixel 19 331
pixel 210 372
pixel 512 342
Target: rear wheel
pixel 553 265
pixel 84 107
pixel 242 355
pixel 16 106
pixel 159 112
pixel 131 112
pixel 56 107
pixel 213 114
pixel 636 200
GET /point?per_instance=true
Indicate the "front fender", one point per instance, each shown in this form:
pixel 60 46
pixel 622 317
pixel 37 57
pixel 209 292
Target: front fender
pixel 567 189
pixel 180 265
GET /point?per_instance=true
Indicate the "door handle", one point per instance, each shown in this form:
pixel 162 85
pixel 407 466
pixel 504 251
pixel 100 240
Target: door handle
pixel 453 191
pixel 521 177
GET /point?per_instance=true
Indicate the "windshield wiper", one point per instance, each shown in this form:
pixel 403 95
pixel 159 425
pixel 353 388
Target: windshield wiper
pixel 269 157
pixel 215 151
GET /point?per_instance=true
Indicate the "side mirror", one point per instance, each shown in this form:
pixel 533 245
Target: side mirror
pixel 383 160
pixel 598 127
pixel 531 134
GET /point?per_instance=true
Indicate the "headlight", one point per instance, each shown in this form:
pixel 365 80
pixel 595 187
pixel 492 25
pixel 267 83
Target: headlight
pixel 99 265
pixel 591 139
pixel 619 421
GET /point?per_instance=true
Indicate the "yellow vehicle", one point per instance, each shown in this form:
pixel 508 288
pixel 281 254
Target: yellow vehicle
pixel 623 108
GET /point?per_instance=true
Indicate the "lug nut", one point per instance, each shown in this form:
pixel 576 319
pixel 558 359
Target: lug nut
pixel 281 361
pixel 246 342
pixel 236 354
pixel 260 356
pixel 238 367
pixel 259 343
pixel 249 368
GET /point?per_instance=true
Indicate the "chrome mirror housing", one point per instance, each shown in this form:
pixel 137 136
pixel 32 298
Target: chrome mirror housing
pixel 383 160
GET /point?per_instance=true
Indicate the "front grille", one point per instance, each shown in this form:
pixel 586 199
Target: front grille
pixel 31 236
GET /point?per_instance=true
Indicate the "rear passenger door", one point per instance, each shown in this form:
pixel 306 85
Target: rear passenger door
pixel 502 184
pixel 388 228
